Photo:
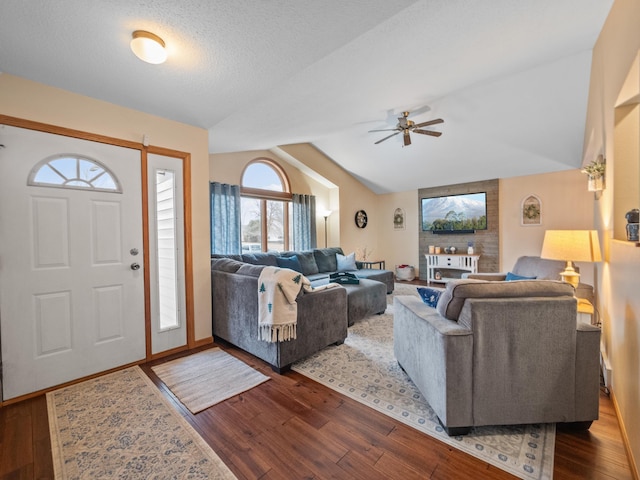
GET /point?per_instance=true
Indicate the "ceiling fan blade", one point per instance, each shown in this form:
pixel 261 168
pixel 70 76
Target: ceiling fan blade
pixel 430 122
pixel 427 132
pixel 385 138
pixel 384 130
pixel 407 138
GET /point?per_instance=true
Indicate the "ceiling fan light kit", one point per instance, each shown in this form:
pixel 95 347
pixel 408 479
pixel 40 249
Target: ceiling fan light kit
pixel 406 127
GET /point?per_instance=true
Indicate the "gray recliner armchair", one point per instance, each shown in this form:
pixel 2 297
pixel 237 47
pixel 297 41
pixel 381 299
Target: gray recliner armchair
pixel 541 269
pixel 500 353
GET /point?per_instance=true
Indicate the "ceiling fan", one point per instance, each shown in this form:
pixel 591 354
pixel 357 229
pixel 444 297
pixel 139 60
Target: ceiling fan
pixel 406 126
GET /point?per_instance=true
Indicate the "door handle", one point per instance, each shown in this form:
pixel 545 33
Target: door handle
pixel 135 266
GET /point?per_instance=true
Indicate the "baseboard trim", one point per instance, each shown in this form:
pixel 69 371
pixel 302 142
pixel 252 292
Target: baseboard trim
pixel 625 439
pixel 204 341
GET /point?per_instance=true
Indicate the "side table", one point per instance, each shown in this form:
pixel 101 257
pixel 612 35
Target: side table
pixel 379 263
pixel 585 311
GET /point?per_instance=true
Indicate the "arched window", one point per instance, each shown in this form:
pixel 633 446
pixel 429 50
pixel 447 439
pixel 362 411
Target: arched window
pixel 265 205
pixel 73 171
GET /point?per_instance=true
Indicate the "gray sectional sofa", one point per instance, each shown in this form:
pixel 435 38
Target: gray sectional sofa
pixel 500 353
pixel 323 315
pixel 317 264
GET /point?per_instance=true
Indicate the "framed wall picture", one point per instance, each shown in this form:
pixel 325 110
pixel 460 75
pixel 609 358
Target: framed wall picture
pixel 398 219
pixel 531 211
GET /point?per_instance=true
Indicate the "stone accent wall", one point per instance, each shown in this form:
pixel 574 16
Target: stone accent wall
pixel 486 242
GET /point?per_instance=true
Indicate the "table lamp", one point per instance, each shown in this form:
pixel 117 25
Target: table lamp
pixel 571 245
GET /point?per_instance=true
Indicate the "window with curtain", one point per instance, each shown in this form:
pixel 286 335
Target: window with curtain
pixel 255 216
pixel 270 214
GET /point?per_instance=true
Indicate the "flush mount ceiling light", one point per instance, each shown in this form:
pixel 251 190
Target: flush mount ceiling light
pixel 148 47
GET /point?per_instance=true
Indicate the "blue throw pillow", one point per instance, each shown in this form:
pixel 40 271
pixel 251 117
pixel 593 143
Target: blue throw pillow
pixel 291 262
pixel 346 262
pixel 513 276
pixel 429 296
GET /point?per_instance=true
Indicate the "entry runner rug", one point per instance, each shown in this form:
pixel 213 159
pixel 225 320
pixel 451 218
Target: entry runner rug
pixel 120 426
pixel 365 369
pixel 208 377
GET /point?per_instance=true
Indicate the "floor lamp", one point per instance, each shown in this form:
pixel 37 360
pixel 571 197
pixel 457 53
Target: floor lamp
pixel 326 214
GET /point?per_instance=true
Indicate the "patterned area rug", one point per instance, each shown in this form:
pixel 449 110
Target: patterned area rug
pixel 120 426
pixel 208 377
pixel 365 369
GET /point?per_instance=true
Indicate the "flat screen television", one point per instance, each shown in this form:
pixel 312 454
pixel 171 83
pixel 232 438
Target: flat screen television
pixel 464 213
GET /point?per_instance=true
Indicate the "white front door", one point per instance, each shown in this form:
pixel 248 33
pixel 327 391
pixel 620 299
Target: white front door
pixel 71 295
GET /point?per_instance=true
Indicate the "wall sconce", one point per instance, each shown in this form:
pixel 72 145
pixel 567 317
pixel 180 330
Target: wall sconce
pixel 148 47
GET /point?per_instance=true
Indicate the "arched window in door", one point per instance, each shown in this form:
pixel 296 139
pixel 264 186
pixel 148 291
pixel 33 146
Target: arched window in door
pixel 73 171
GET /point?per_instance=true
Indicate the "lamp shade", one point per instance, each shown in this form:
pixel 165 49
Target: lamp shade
pixel 148 47
pixel 571 245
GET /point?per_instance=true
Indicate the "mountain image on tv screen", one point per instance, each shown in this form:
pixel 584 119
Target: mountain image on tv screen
pixel 455 212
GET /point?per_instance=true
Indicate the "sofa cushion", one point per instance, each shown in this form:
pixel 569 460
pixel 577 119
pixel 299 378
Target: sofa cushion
pixel 291 262
pixel 429 296
pixel 345 263
pixel 250 270
pixel 452 299
pixel 225 265
pixel 231 256
pixel 512 276
pixel 307 261
pixel 260 258
pixel 326 258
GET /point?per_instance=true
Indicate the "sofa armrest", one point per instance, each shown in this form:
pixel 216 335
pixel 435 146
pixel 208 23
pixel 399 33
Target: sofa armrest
pixel 437 355
pixel 492 277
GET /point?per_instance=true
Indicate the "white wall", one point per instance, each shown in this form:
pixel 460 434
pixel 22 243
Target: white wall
pixel 399 247
pixel 353 196
pixel 617 279
pixel 565 205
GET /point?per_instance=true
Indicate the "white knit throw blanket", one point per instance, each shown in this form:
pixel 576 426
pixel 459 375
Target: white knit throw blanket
pixel 278 289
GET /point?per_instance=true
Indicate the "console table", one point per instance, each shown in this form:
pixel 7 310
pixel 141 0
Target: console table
pixel 585 311
pixel 443 268
pixel 367 264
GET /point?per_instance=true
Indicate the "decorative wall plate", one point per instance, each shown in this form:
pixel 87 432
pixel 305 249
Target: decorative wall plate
pixel 361 219
pixel 531 211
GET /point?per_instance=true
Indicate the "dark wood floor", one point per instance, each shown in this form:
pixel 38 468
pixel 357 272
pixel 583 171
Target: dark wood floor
pixel 294 428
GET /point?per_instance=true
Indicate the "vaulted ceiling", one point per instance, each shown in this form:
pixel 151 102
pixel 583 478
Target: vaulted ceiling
pixel 509 77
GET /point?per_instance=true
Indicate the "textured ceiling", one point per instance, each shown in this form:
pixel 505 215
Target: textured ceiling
pixel 509 77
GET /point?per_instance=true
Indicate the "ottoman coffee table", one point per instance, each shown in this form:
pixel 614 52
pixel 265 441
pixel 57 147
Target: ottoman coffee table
pixel 363 299
pixel 366 298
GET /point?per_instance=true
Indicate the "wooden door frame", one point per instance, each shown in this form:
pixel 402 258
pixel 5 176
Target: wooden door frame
pixel 144 150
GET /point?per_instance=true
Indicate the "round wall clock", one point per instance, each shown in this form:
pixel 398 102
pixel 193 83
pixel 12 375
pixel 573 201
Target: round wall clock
pixel 361 219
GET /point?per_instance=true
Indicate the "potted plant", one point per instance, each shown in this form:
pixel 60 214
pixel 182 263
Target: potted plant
pixel 595 175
